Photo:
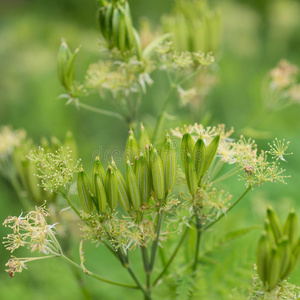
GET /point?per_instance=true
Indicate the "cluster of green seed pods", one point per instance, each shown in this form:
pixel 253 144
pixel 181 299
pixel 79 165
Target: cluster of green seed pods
pixel 278 249
pixel 196 159
pixel 115 25
pixel 66 65
pixel 147 175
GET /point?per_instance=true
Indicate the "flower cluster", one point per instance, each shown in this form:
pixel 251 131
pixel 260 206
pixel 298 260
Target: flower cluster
pixel 9 139
pixel 252 165
pixel 30 230
pixel 56 170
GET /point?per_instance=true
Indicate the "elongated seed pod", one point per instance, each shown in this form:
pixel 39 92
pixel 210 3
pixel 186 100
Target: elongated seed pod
pixel 123 192
pixel 131 150
pixel 138 45
pixel 210 153
pixel 84 189
pixel 169 159
pixel 191 175
pixel 275 223
pixel 284 249
pixel 132 187
pixel 296 252
pixel 199 157
pixel 70 144
pixel 108 23
pixel 101 20
pixel 64 55
pixel 270 233
pixel 111 187
pixel 187 146
pixel 122 33
pixel 115 26
pixel 273 273
pixel 157 174
pixel 33 181
pixel 144 140
pixel 263 256
pixel 143 176
pixel 100 193
pixel 98 169
pixel 290 268
pixel 290 227
pixel 129 27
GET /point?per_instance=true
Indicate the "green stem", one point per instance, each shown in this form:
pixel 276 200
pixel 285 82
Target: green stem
pixel 17 187
pixel 228 210
pixel 72 206
pixel 155 242
pixel 197 250
pixel 102 111
pixel 146 266
pixel 165 269
pixel 162 112
pixel 97 276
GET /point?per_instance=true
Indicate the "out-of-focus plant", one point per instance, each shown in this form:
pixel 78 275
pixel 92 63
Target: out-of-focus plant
pixel 280 90
pixel 140 210
pixel 123 72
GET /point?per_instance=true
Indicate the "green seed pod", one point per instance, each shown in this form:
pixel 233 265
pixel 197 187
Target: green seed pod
pixel 169 159
pixel 84 189
pixel 100 194
pixel 290 227
pixel 129 26
pixel 122 33
pixel 275 223
pixel 111 187
pixel 123 192
pixel 296 252
pixel 211 152
pixel 284 249
pixel 132 187
pixel 71 144
pixel 290 268
pixel 55 143
pixel 187 146
pixel 33 181
pixel 144 141
pixel 270 233
pixel 273 273
pixel 263 256
pixel 65 65
pixel 191 175
pixel 98 169
pixel 143 176
pixel 157 173
pixel 108 23
pixel 131 150
pixel 138 45
pixel 199 157
pixel 101 20
pixel 115 26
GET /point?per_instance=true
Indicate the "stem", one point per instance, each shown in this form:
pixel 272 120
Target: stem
pixel 228 210
pixel 17 187
pixel 72 206
pixel 162 112
pixel 155 242
pixel 146 266
pixel 171 258
pixel 102 111
pixel 95 275
pixel 197 250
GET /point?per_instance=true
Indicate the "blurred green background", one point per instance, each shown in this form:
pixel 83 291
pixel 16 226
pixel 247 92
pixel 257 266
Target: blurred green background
pixel 255 36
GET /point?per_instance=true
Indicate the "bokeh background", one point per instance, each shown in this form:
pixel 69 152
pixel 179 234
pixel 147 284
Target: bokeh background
pixel 255 36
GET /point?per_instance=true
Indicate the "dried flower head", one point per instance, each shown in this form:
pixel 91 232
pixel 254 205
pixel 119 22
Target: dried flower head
pixel 283 75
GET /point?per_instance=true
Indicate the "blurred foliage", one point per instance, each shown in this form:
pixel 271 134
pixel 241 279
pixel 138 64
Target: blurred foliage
pixel 255 36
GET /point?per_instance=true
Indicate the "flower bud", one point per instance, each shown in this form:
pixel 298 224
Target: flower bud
pixel 132 187
pixel 157 173
pixel 84 189
pixel 111 187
